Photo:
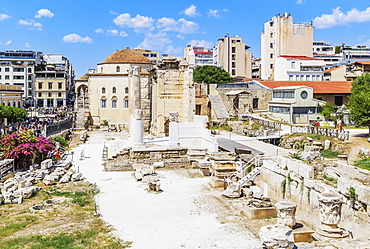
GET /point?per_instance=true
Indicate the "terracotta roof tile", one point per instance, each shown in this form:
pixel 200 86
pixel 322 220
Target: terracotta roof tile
pixel 318 86
pixel 331 69
pixel 298 57
pixel 126 56
pixel 363 62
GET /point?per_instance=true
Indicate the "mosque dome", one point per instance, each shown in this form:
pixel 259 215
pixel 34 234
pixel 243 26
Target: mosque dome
pixel 127 56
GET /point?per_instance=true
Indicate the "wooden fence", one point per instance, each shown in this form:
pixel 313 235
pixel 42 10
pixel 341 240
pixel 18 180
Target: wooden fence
pixel 341 134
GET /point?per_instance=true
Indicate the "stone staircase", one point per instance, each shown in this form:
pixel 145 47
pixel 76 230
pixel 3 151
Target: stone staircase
pixel 81 119
pixel 218 107
pixel 239 179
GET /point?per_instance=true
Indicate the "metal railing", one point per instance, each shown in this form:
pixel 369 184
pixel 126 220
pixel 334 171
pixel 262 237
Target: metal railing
pixel 55 128
pixel 341 134
pixel 264 122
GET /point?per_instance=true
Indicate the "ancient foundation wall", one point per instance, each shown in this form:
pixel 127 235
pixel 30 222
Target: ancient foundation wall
pixel 294 181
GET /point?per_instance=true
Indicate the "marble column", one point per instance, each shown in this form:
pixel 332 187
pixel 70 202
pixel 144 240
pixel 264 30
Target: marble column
pixel 286 213
pixel 330 205
pixel 45 101
pixel 137 124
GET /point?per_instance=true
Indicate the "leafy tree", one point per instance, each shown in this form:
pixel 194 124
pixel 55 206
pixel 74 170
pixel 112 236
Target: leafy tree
pixel 13 114
pixel 359 101
pixel 211 74
pixel 327 109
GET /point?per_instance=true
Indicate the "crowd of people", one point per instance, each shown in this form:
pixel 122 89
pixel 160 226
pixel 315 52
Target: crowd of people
pixel 37 123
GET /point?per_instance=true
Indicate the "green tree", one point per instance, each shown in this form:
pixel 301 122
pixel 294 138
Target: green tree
pixel 359 101
pixel 13 114
pixel 211 74
pixel 327 109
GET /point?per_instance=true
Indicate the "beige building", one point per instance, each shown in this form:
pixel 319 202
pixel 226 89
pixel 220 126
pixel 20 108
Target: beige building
pixel 335 74
pixel 283 37
pixel 109 87
pixel 231 54
pixel 11 95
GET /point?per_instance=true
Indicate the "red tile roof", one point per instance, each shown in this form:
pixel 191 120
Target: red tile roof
pixel 331 69
pixel 363 62
pixel 298 57
pixel 324 55
pixel 318 86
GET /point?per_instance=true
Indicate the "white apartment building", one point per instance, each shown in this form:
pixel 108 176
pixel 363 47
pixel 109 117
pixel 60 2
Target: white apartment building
pixel 281 36
pixel 231 54
pixel 322 48
pixel 298 68
pixel 17 68
pixel 153 56
pixel 356 53
pixel 198 56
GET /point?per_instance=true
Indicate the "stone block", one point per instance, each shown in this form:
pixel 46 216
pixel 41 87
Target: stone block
pixel 259 213
pixel 46 164
pixel 76 177
pixel 276 236
pixel 216 182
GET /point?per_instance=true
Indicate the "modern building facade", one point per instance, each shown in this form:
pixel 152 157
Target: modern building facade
pixel 11 95
pixel 54 82
pixel 153 56
pixel 281 36
pixel 17 69
pixel 231 54
pixel 198 56
pixel 298 68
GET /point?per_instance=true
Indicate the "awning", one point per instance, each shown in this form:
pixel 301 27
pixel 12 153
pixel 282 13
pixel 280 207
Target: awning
pixel 236 92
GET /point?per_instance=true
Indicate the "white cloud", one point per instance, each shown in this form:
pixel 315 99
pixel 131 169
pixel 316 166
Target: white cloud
pixel 44 13
pixel 214 13
pixel 99 31
pixel 75 38
pixel 115 32
pixel 27 45
pixel 182 25
pixel 138 22
pixel 338 18
pixel 35 25
pixel 175 51
pixel 8 42
pixel 201 43
pixel 113 13
pixel 155 41
pixel 180 36
pixel 191 11
pixel 300 1
pixel 24 22
pixel 3 16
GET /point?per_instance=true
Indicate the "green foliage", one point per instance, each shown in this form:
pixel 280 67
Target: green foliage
pixel 13 114
pixel 20 223
pixel 63 142
pixel 327 109
pixel 295 156
pixel 285 185
pixel 329 153
pixel 331 179
pixel 352 194
pixel 211 74
pixel 359 100
pixel 105 123
pixel 363 163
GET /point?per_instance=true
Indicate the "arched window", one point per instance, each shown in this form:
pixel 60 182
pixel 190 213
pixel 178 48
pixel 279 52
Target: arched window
pixel 9 104
pixel 14 104
pixel 114 102
pixel 125 102
pixel 118 69
pixel 114 90
pixel 101 70
pixel 103 102
pixel 103 90
pixel 126 90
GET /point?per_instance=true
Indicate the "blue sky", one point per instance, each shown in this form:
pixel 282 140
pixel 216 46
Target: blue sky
pixel 86 32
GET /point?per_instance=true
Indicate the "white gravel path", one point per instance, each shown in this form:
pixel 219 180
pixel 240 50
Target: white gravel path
pixel 185 215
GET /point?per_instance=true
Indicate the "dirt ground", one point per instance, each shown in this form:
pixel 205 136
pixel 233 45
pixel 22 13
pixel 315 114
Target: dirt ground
pixel 358 142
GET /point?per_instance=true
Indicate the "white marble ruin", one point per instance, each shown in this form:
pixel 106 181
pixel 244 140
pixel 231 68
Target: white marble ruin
pixel 330 206
pixel 276 236
pixel 286 213
pixel 137 124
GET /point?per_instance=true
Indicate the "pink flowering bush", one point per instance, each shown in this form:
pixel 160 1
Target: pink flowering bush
pixel 25 145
